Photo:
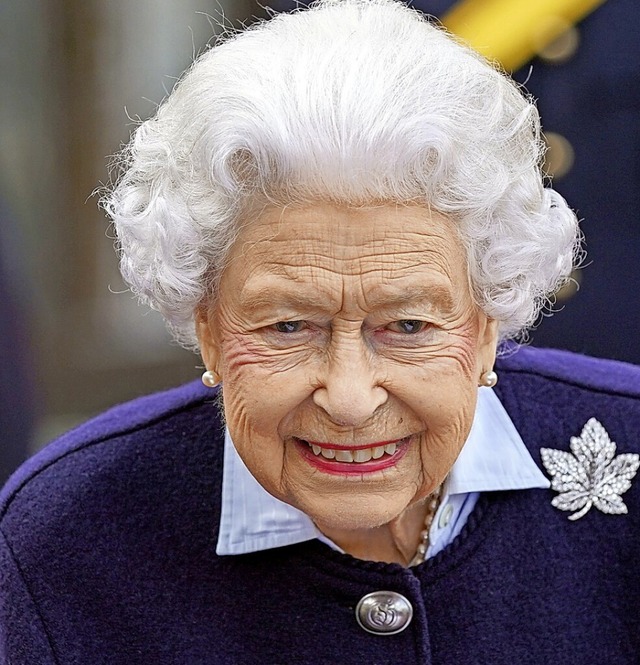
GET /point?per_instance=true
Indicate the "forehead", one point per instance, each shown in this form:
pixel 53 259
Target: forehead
pixel 403 246
pixel 345 234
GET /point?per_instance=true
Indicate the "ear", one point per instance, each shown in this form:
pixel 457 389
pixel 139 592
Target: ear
pixel 207 340
pixel 487 342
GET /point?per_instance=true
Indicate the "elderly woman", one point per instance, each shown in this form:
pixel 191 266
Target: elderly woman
pixel 343 211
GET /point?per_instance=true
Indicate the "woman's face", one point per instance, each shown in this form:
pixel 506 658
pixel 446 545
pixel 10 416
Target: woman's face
pixel 350 349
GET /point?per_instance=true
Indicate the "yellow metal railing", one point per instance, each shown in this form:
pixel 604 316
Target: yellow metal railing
pixel 513 31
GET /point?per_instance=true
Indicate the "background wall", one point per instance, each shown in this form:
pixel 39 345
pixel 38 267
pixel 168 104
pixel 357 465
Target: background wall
pixel 76 74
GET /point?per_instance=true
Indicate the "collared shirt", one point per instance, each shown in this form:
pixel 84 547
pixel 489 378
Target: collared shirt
pixel 494 457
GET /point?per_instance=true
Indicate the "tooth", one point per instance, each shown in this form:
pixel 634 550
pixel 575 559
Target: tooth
pixel 390 448
pixel 316 449
pixel 377 452
pixel 344 456
pixel 329 453
pixel 362 455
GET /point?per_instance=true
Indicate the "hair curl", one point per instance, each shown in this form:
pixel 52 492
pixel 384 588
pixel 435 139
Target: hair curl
pixel 354 102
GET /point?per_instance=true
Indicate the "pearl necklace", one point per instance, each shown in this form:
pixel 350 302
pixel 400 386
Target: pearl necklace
pixel 432 509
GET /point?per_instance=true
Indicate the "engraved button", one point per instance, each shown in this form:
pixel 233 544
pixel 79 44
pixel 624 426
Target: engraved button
pixel 384 613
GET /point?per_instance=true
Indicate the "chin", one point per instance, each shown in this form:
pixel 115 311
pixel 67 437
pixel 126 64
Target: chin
pixel 352 513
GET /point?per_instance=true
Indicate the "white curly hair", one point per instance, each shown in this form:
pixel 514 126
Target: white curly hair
pixel 355 102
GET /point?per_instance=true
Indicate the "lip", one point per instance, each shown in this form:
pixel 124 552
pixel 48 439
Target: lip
pixel 352 468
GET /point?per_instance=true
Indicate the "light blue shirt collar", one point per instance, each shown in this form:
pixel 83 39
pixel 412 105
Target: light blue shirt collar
pixel 494 457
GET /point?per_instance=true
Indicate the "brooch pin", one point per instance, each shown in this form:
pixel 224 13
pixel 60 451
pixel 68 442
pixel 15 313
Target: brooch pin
pixel 593 475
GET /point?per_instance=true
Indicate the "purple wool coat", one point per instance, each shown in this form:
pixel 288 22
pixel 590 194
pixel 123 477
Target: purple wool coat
pixel 108 536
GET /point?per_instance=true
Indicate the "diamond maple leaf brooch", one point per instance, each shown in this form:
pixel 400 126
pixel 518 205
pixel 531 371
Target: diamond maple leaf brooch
pixel 593 475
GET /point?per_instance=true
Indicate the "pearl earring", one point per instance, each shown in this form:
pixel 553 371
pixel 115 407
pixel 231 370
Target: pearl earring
pixel 210 379
pixel 488 379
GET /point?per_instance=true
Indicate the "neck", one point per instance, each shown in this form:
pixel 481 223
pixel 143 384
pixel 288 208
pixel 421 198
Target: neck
pixel 394 542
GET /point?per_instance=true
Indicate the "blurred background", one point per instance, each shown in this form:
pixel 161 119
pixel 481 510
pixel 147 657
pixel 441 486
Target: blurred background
pixel 76 75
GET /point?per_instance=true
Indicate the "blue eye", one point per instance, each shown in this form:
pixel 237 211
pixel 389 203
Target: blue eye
pixel 408 326
pixel 289 326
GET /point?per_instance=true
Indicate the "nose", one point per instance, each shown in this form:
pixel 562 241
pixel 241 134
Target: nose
pixel 349 392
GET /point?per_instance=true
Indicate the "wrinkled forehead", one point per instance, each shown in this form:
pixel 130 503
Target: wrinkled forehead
pixel 386 233
pixel 387 253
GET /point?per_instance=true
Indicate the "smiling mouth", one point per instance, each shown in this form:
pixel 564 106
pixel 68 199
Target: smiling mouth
pixel 356 454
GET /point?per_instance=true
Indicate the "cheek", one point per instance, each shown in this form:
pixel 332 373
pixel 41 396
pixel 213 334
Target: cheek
pixel 450 384
pixel 445 400
pixel 261 386
pixel 447 373
pixel 447 414
pixel 259 397
pixel 243 396
pixel 240 354
pixel 249 351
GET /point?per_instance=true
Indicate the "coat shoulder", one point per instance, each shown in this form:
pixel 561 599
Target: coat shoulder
pixel 552 395
pixel 572 369
pixel 116 509
pixel 147 422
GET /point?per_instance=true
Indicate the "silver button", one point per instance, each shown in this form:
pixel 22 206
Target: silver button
pixel 445 516
pixel 384 613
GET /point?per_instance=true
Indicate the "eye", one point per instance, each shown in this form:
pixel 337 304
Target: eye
pixel 407 326
pixel 289 326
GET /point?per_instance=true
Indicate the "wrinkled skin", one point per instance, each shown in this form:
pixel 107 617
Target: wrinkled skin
pixel 384 342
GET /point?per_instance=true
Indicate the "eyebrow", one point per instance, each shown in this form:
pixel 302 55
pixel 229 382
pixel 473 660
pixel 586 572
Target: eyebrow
pixel 262 297
pixel 434 294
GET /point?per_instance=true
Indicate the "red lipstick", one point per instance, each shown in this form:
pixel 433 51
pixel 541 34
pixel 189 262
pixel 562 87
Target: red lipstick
pixel 334 467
